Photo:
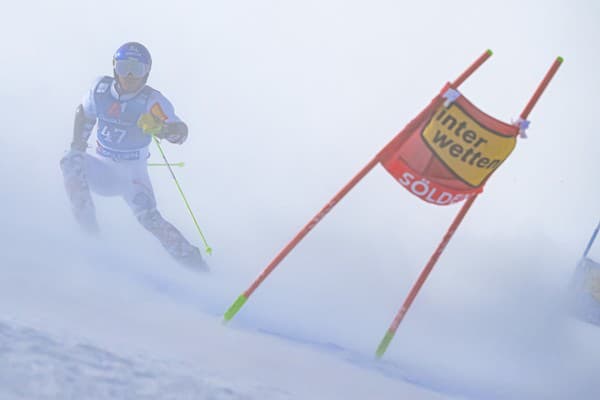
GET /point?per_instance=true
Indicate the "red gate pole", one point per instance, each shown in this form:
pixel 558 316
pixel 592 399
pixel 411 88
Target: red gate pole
pixel 389 335
pixel 241 300
pixel 542 86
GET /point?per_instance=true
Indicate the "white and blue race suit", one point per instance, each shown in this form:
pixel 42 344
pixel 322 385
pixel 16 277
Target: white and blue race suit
pixel 119 165
pixel 118 136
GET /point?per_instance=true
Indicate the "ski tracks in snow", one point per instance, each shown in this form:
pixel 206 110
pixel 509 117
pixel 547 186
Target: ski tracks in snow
pixel 35 365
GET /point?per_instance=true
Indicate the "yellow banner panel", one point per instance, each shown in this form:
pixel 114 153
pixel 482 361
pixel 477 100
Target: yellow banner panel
pixel 468 149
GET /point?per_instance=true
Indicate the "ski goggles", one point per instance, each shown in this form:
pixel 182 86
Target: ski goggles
pixel 133 67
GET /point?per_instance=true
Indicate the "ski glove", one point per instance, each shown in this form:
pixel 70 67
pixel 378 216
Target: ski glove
pixel 150 124
pixel 175 132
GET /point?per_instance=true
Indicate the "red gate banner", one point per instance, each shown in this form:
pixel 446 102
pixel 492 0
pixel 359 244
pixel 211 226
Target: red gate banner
pixel 448 155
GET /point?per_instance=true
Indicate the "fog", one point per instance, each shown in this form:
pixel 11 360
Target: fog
pixel 286 101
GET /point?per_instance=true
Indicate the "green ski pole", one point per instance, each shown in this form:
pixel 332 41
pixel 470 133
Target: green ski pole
pixel 168 165
pixel 178 164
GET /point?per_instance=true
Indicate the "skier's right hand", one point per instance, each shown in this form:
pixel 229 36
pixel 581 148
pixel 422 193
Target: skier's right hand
pixel 150 124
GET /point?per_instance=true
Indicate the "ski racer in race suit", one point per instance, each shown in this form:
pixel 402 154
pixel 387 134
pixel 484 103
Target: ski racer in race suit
pixel 127 113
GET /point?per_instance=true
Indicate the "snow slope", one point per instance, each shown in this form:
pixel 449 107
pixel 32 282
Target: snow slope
pixel 84 318
pixel 93 326
pixel 286 101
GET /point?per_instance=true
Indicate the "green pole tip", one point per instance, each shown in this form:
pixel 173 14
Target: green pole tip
pixel 209 251
pixel 383 345
pixel 235 307
pixel 490 52
pixel 560 59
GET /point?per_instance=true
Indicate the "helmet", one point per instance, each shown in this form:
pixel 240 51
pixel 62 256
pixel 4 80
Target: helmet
pixel 132 58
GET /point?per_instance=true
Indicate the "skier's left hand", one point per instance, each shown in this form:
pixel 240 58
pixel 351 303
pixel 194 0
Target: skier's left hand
pixel 150 124
pixel 174 132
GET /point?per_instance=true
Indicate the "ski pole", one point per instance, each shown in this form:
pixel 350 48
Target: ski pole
pixel 179 164
pixel 168 165
pixel 589 245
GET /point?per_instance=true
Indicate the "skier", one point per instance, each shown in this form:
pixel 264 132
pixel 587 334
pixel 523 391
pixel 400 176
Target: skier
pixel 127 113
